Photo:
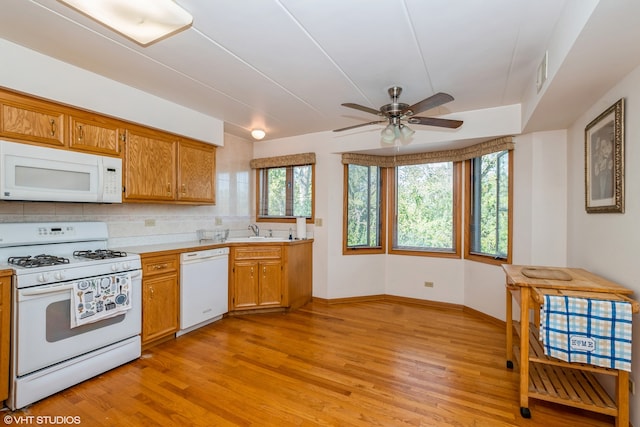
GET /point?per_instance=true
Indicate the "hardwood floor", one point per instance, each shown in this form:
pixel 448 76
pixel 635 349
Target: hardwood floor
pixel 357 364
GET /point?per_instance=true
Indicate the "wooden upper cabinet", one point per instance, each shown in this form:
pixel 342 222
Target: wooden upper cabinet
pixel 31 120
pixel 196 172
pixel 149 166
pixel 157 166
pixel 95 134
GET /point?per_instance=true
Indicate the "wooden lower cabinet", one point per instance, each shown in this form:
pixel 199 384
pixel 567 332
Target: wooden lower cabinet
pixel 270 276
pixel 256 277
pixel 160 297
pixel 5 331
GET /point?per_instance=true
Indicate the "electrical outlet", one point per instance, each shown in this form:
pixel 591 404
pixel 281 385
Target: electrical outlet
pixel 632 386
pixel 218 220
pixel 318 222
pixel 149 222
pixel 428 284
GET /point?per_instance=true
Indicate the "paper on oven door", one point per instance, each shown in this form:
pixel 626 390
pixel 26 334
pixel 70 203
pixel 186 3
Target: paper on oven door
pixel 99 298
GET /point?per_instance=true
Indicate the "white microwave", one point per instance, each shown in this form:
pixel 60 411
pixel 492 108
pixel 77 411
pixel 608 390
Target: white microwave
pixel 37 173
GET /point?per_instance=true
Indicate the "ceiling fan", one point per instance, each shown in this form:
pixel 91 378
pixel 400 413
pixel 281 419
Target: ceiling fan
pixel 395 112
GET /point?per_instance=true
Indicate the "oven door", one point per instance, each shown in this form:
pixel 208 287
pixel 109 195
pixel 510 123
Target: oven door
pixel 43 334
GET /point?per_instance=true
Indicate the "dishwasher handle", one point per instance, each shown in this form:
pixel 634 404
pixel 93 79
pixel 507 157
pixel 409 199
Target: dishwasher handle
pixel 200 256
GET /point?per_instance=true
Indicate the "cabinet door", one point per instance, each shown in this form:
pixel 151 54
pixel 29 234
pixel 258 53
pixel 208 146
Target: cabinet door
pixel 270 289
pixel 149 166
pixel 196 172
pixel 95 134
pixel 160 300
pixel 245 284
pixel 32 121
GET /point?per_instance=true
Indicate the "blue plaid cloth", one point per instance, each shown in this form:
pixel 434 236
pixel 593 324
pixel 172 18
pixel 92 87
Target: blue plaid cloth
pixel 585 330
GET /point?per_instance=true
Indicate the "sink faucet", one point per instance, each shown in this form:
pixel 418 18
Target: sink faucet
pixel 255 229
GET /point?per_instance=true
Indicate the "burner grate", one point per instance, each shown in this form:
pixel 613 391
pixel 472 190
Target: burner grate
pixel 99 254
pixel 37 261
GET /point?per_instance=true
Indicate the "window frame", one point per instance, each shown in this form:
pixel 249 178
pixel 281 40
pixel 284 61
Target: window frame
pixel 382 196
pixel 457 218
pixel 469 182
pixel 289 172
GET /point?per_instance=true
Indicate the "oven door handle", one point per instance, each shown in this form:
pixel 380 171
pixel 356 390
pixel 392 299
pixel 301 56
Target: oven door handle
pixel 30 292
pixel 47 290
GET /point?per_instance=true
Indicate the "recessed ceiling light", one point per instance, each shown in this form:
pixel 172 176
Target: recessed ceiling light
pixel 143 21
pixel 258 134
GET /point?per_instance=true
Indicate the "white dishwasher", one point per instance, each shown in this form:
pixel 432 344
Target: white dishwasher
pixel 204 288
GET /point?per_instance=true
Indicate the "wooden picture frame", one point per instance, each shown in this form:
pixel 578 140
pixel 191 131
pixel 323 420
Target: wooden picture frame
pixel 604 161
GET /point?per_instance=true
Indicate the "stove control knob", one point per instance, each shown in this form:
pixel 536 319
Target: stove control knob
pixel 126 266
pixel 42 277
pixel 59 275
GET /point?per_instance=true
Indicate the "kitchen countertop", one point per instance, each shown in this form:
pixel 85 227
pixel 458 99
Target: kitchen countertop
pixel 197 245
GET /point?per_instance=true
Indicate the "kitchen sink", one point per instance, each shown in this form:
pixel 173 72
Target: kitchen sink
pixel 256 239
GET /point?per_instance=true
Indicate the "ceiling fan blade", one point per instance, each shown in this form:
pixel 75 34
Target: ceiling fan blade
pixel 426 104
pixel 433 121
pixel 362 108
pixel 361 124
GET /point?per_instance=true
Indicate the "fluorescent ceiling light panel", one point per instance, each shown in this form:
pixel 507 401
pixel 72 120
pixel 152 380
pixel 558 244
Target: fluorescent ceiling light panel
pixel 143 21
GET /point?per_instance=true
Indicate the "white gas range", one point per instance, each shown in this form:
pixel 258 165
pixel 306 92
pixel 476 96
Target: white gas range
pixel 76 306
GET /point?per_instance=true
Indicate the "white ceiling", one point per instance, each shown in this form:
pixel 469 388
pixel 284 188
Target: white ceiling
pixel 287 65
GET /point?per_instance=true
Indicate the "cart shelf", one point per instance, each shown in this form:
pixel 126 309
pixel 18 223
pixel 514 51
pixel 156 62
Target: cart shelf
pixel 547 378
pixel 571 384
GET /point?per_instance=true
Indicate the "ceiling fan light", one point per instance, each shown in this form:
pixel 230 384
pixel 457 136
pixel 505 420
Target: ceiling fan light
pixel 396 132
pixel 143 21
pixel 388 134
pixel 258 134
pixel 388 131
pixel 406 132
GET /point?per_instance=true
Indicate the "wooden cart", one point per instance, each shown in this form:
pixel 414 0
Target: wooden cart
pixel 547 378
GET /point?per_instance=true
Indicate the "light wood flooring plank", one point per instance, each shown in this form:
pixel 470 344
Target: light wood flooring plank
pixel 374 363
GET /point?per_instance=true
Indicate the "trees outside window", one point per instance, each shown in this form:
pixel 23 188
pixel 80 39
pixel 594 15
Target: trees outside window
pixel 426 209
pixel 418 197
pixel 489 214
pixel 364 205
pixel 285 192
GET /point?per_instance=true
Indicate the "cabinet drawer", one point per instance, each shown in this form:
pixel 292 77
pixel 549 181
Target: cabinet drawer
pixel 160 265
pixel 258 252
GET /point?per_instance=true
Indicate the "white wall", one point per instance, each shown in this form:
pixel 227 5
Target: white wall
pixel 607 244
pixel 540 232
pixel 539 219
pixel 23 70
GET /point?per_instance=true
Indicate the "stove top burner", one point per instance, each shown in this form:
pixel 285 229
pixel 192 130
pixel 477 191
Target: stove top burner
pixel 99 254
pixel 37 261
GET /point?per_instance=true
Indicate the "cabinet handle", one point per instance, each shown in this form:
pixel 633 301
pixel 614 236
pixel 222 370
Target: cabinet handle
pixel 184 188
pixel 251 271
pixel 264 270
pixel 168 188
pixel 160 266
pixel 53 127
pixel 80 133
pixel 151 291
